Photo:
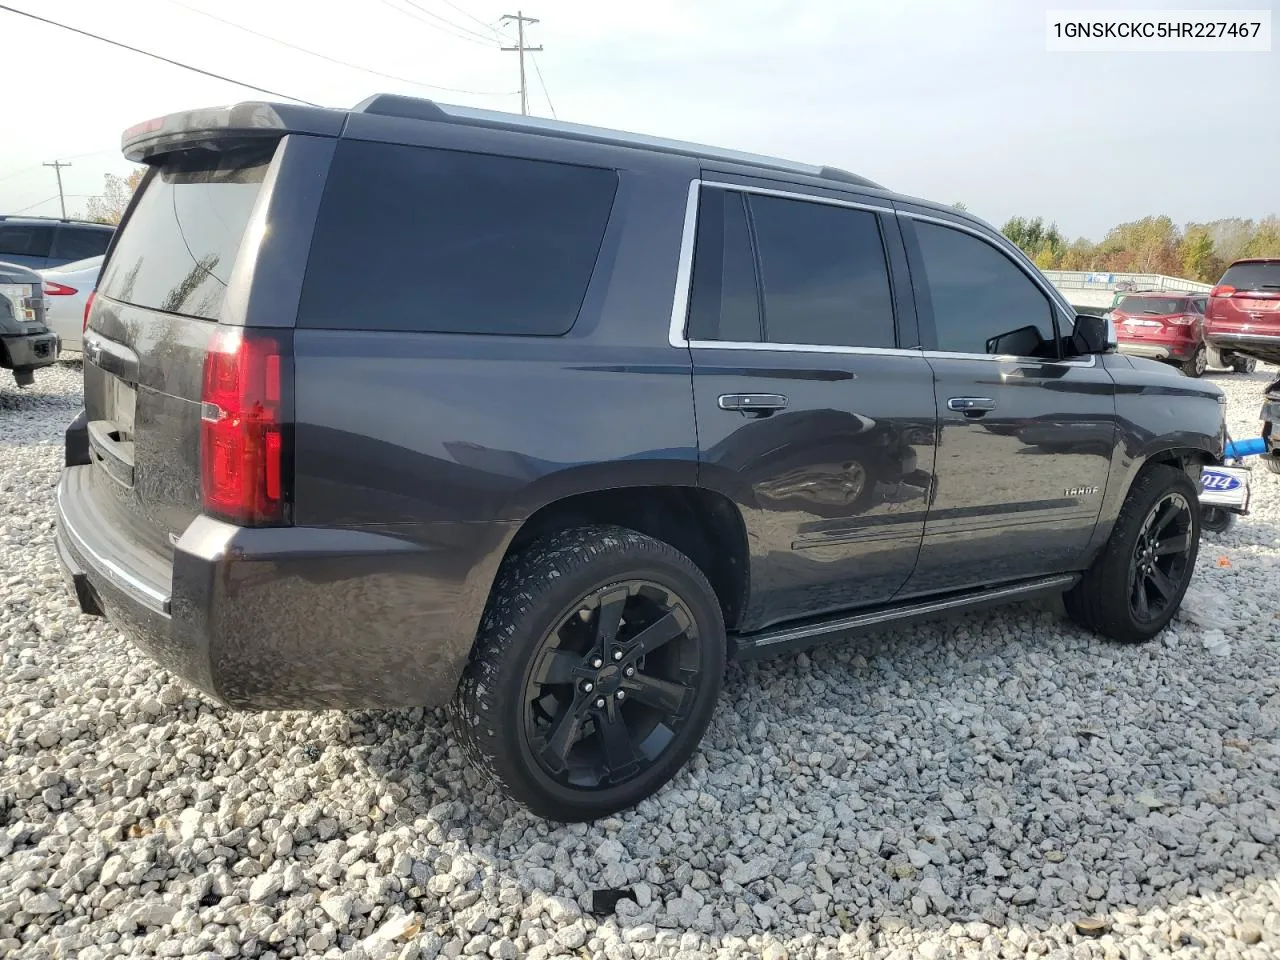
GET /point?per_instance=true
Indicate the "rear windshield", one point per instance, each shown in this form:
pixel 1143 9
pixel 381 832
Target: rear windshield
pixel 1156 306
pixel 177 248
pixel 1253 276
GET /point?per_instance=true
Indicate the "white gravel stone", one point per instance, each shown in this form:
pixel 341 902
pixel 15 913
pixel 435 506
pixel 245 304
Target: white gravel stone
pixel 966 787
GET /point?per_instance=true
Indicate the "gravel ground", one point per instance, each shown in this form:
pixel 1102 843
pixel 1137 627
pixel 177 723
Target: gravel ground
pixel 972 788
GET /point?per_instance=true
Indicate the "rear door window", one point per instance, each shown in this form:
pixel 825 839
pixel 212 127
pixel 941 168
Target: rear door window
pixel 80 243
pixel 724 303
pixel 25 240
pixel 440 241
pixel 1253 276
pixel 178 247
pixel 789 272
pixel 823 274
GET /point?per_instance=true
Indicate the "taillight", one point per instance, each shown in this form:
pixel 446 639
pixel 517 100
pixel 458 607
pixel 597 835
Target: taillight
pixel 243 418
pixel 1183 320
pixel 1222 290
pixel 88 305
pixel 52 289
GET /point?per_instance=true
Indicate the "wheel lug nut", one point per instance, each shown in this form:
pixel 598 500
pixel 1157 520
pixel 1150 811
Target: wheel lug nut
pixel 617 655
pixel 597 662
pixel 600 704
pixel 621 694
pixel 588 687
pixel 629 672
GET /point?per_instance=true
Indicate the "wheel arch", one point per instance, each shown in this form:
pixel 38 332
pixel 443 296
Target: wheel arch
pixel 705 526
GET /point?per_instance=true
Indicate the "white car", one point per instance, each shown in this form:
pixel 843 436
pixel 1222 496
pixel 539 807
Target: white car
pixel 66 289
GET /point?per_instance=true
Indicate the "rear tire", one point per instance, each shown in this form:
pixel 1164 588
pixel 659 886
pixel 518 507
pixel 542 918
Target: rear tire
pixel 1216 519
pixel 1135 585
pixel 1197 363
pixel 1272 461
pixel 1244 364
pixel 595 672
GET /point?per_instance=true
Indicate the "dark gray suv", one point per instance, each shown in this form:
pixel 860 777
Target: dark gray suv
pixel 418 405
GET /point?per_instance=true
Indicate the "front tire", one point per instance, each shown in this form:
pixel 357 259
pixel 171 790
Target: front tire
pixel 1136 584
pixel 1244 364
pixel 1196 364
pixel 595 672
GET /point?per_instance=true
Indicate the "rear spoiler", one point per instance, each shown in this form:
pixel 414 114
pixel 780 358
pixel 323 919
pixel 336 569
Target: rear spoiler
pixel 220 128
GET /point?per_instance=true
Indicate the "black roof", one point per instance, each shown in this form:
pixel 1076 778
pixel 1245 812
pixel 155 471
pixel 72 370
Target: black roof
pixel 258 119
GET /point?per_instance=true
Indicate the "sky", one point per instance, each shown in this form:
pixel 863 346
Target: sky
pixel 952 101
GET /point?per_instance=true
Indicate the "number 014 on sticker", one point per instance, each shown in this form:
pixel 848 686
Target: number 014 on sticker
pixel 1225 487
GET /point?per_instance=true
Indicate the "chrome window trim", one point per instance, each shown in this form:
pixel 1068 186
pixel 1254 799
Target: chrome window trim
pixel 1056 299
pixel 684 269
pixel 793 195
pixel 801 348
pixel 684 279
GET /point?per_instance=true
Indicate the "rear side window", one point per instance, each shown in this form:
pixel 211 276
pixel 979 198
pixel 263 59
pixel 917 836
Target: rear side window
pixel 1153 306
pixel 177 249
pixel 822 276
pixel 80 243
pixel 439 241
pixel 29 240
pixel 1253 276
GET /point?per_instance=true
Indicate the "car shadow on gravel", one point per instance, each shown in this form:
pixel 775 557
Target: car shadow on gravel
pixel 1001 768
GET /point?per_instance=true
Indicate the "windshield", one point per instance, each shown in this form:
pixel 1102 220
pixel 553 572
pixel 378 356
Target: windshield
pixel 1155 306
pixel 178 247
pixel 1253 276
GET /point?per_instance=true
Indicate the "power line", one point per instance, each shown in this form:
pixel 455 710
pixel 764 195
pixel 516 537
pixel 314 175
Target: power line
pixel 344 63
pixel 34 205
pixel 487 26
pixel 412 15
pixel 543 84
pixel 489 39
pixel 156 56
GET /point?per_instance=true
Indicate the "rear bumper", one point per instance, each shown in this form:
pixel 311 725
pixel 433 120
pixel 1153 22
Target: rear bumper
pixel 288 618
pixel 31 350
pixel 1260 346
pixel 1156 351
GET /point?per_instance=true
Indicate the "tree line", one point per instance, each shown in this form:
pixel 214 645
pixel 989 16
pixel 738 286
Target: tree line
pixel 1198 251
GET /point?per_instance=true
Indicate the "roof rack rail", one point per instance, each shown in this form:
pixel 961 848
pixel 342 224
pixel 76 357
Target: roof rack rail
pixel 416 108
pixel 36 216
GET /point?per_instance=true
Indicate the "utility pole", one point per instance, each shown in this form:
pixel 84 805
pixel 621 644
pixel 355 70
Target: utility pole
pixel 57 169
pixel 521 49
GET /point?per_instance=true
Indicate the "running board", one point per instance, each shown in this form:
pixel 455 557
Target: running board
pixel 749 646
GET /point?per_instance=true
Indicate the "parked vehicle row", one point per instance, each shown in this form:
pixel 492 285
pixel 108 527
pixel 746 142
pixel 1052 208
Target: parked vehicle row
pixel 1172 327
pixel 646 406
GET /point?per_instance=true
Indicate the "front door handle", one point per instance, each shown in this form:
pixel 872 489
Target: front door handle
pixel 753 403
pixel 971 406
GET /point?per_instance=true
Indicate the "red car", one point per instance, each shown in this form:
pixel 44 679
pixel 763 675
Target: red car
pixel 1164 326
pixel 1243 318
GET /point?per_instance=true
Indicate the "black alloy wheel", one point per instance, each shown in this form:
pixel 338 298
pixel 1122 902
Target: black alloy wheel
pixel 1161 562
pixel 613 685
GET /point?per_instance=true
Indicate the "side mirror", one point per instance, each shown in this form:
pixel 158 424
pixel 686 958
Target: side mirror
pixel 1023 342
pixel 1093 335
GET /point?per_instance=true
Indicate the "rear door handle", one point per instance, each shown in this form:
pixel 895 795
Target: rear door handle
pixel 971 406
pixel 762 403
